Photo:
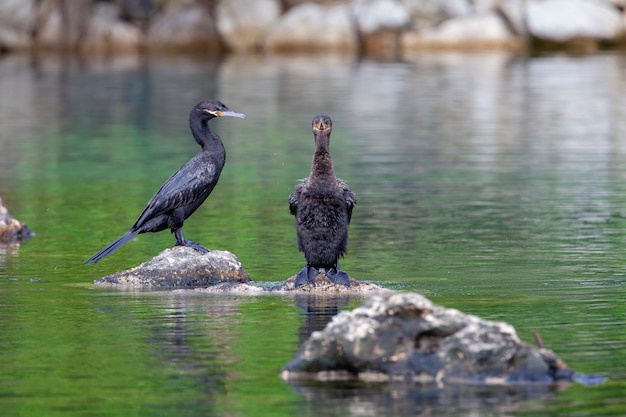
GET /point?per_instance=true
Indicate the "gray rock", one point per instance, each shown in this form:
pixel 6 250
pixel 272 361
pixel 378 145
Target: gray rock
pixel 566 20
pixel 182 267
pixel 317 27
pixel 404 336
pixel 243 24
pixel 12 230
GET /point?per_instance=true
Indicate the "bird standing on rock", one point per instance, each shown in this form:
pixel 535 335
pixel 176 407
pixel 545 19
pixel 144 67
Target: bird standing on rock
pixel 322 205
pixel 187 188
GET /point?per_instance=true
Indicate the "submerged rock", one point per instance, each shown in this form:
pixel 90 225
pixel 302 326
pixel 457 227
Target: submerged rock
pixel 182 266
pixel 11 229
pixel 322 285
pixel 404 336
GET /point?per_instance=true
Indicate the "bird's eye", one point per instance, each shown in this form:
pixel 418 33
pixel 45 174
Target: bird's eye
pixel 221 108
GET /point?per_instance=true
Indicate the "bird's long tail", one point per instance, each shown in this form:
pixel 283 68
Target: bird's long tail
pixel 111 247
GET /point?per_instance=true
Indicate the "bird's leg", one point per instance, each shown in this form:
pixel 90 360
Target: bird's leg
pixel 306 275
pixel 181 241
pixel 337 276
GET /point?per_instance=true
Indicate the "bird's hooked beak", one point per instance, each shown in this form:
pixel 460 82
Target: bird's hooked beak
pixel 223 113
pixel 320 124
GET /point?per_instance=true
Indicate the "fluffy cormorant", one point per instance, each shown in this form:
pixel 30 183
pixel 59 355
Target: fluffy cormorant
pixel 322 205
pixel 187 188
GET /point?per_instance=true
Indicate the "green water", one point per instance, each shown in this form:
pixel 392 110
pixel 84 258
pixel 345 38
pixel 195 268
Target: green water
pixel 489 183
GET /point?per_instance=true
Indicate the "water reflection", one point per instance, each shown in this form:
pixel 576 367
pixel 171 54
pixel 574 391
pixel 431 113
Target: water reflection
pixel 176 333
pixel 416 400
pixel 318 312
pixel 7 250
pixel 191 346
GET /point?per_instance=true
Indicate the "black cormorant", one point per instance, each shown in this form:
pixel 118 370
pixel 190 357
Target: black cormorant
pixel 322 205
pixel 187 188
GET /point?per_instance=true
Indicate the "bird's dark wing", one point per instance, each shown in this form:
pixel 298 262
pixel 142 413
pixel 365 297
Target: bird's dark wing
pixel 294 197
pixel 348 195
pixel 192 180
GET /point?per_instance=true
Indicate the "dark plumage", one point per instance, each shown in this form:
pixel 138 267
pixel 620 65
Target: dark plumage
pixel 187 188
pixel 322 205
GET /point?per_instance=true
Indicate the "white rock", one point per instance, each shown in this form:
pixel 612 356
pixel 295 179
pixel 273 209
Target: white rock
pixel 314 26
pixel 469 31
pixel 374 15
pixel 563 20
pixel 243 23
pixel 183 26
pixel 513 11
pixel 455 8
pixel 16 21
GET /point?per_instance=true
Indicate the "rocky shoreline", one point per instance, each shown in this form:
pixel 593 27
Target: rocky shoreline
pixel 390 28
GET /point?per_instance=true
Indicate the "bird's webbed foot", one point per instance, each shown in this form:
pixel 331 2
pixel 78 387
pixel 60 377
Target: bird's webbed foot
pixel 337 276
pixel 193 245
pixel 181 241
pixel 306 275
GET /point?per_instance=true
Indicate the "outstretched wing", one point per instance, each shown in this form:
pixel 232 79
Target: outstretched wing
pixel 184 187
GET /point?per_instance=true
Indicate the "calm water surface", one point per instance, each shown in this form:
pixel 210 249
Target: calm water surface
pixel 490 183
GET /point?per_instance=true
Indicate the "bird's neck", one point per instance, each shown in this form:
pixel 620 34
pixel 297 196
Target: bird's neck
pixel 322 165
pixel 206 138
pixel 322 162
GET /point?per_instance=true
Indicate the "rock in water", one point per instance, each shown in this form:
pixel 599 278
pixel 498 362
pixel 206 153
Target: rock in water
pixel 404 336
pixel 182 266
pixel 322 285
pixel 12 230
